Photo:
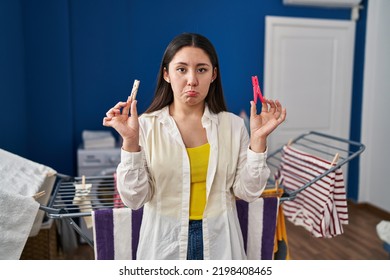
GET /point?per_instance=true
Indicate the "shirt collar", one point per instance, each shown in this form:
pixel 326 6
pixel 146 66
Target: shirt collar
pixel 208 115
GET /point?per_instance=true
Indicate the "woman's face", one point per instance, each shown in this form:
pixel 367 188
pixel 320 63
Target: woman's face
pixel 190 73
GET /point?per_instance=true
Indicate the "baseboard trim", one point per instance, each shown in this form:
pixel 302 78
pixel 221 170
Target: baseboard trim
pixel 383 214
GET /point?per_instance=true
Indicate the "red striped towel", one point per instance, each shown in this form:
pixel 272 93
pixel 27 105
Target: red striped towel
pixel 322 207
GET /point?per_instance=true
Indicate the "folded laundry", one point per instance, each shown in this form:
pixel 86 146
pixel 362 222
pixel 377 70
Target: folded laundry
pixel 383 231
pixel 20 217
pixel 15 223
pixel 98 139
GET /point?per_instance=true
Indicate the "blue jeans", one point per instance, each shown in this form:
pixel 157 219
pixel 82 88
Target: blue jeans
pixel 195 241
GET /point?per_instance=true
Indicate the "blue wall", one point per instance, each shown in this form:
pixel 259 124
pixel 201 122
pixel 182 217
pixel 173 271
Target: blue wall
pixel 13 105
pixel 49 96
pixel 68 61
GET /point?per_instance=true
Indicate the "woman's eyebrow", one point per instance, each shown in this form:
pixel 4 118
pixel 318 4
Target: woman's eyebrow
pixel 186 64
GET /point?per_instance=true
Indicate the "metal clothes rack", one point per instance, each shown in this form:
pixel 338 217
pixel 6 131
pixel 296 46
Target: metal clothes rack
pixel 334 149
pixel 103 193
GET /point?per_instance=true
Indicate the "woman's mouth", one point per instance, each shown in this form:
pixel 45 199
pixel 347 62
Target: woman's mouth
pixel 191 93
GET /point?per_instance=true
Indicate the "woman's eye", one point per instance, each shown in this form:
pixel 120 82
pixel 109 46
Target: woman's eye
pixel 202 70
pixel 182 70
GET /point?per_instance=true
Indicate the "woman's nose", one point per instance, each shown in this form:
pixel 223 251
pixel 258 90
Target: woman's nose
pixel 192 79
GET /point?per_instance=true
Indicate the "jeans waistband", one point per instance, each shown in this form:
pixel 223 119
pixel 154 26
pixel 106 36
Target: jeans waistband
pixel 195 223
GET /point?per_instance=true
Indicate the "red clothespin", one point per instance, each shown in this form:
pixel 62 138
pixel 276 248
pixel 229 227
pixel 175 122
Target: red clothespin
pixel 256 90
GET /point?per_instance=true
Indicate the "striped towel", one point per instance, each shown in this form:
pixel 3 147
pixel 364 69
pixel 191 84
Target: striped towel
pixel 320 208
pixel 116 233
pixel 258 225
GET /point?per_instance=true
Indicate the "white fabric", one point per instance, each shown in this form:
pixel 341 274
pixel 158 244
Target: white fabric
pixel 383 231
pixel 158 177
pixel 82 198
pixel 122 233
pixel 20 179
pixel 16 219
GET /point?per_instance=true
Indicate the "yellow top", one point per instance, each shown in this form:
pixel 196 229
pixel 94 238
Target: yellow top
pixel 199 162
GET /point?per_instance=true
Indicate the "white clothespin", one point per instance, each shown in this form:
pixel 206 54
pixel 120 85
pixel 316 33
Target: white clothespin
pixel 134 91
pixel 335 159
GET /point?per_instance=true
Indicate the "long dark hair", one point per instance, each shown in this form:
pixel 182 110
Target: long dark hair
pixel 163 94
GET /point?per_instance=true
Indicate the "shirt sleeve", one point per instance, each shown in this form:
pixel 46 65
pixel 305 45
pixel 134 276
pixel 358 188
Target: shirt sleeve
pixel 252 171
pixel 133 182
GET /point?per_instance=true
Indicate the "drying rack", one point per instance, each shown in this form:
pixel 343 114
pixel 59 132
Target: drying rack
pixel 338 151
pixel 103 193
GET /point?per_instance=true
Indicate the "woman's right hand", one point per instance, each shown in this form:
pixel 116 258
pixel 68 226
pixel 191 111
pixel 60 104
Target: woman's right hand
pixel 126 125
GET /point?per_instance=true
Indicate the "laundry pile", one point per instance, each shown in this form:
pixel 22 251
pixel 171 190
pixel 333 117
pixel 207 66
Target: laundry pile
pixel 24 185
pixel 383 231
pixel 98 139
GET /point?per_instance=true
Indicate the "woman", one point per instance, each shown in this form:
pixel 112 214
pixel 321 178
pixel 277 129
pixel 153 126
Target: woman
pixel 186 159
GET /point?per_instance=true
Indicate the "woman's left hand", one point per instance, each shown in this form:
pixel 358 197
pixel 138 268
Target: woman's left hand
pixel 261 125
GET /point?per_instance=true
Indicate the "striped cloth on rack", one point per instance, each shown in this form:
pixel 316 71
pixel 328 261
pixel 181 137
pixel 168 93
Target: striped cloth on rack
pixel 258 225
pixel 116 233
pixel 322 207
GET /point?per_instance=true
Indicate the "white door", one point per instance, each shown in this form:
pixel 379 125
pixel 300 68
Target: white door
pixel 308 67
pixel 374 167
